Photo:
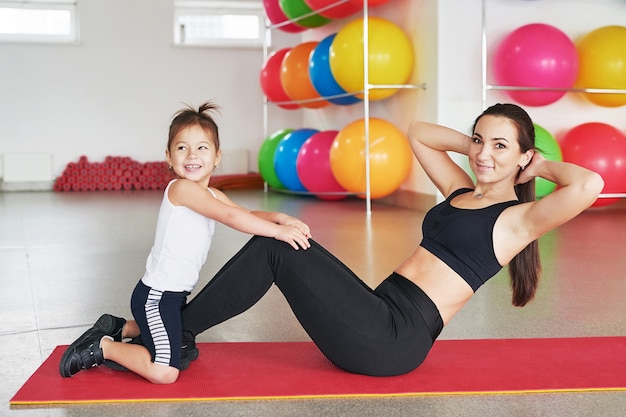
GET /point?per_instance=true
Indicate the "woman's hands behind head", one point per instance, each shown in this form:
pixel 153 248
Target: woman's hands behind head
pixel 531 170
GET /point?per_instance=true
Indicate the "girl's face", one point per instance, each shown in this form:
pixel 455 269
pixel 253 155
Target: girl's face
pixel 193 155
pixel 495 154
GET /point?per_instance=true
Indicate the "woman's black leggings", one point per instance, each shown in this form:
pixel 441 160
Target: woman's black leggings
pixel 381 332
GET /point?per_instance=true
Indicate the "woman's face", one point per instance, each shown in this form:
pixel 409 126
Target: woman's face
pixel 193 155
pixel 494 153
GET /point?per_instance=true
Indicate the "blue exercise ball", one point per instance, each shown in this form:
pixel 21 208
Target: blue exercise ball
pixel 322 77
pixel 286 155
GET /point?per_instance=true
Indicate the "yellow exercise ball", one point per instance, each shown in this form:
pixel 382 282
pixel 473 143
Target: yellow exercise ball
pixel 602 64
pixel 389 154
pixel 390 57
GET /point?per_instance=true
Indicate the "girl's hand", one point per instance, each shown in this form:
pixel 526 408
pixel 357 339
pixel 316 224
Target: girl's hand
pixel 294 236
pixel 298 224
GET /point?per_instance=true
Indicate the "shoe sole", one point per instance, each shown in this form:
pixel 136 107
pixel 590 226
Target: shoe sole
pixel 103 324
pixel 64 366
pixel 109 326
pixel 106 323
pixel 192 354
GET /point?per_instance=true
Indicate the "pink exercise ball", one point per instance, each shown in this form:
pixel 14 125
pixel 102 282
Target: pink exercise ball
pixel 601 148
pixel 276 15
pixel 536 55
pixel 313 166
pixel 270 79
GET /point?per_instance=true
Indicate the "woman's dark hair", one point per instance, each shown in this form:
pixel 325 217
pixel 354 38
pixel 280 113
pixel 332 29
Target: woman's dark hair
pixel 190 117
pixel 525 267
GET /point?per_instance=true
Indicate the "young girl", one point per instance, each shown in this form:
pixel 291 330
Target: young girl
pixel 183 237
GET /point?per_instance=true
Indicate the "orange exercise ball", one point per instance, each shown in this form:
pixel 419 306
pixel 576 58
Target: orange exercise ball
pixel 602 64
pixel 390 157
pixel 294 76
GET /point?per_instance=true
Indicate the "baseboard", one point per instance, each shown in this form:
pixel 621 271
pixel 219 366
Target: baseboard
pixel 26 186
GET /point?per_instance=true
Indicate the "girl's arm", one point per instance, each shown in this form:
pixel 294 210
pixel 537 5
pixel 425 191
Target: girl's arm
pixel 271 216
pixel 222 209
pixel 577 189
pixel 431 144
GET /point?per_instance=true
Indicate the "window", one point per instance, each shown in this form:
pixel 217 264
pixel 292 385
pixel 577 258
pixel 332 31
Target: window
pixel 38 21
pixel 219 23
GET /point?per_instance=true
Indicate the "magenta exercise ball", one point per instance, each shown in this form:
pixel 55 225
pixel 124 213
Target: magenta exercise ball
pixel 601 148
pixel 276 16
pixel 313 166
pixel 536 55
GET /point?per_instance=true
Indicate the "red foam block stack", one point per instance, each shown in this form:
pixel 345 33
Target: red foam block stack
pixel 115 173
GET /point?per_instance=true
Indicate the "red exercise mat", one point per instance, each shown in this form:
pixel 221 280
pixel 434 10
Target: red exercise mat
pixel 233 371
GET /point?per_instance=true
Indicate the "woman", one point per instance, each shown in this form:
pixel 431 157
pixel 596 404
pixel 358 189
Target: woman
pixel 467 239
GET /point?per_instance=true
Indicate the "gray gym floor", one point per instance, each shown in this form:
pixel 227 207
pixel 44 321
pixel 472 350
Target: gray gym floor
pixel 66 258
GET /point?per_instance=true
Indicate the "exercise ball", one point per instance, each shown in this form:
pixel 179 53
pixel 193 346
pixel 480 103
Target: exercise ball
pixel 286 156
pixel 536 55
pixel 389 155
pixel 294 76
pixel 602 55
pixel 270 79
pixel 266 158
pixel 276 16
pixel 601 148
pixel 390 56
pixel 337 12
pixel 322 77
pixel 370 3
pixel 313 166
pixel 295 9
pixel 550 149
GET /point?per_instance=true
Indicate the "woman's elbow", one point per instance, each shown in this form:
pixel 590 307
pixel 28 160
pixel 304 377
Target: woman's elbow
pixel 596 183
pixel 593 186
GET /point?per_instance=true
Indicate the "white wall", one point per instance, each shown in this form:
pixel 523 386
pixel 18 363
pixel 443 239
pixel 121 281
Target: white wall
pixel 114 93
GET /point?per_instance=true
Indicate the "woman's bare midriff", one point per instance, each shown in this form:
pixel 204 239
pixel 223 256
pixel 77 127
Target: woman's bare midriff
pixel 445 287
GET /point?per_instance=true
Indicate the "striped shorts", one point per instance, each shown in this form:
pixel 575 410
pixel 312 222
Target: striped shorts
pixel 158 315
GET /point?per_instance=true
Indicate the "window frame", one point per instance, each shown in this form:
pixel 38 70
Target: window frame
pixel 217 8
pixel 47 38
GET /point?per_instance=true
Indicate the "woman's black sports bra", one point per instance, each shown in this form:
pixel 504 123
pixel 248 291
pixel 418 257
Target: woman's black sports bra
pixel 463 238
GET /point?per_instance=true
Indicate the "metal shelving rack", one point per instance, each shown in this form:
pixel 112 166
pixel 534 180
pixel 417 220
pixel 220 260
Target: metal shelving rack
pixel 367 87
